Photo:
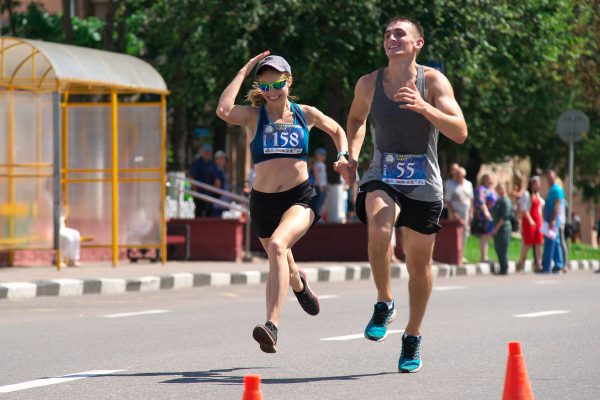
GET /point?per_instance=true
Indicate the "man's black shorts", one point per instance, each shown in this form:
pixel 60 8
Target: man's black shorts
pixel 420 216
pixel 266 209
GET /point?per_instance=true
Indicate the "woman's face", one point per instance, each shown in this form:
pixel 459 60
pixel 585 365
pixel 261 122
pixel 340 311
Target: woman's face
pixel 487 181
pixel 535 186
pixel 272 95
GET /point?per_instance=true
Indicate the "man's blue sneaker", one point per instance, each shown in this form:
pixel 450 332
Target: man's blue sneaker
pixel 376 329
pixel 410 357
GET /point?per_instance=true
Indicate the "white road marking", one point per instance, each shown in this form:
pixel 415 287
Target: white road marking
pixel 358 336
pixel 542 314
pixel 133 314
pixel 328 296
pixel 546 282
pixel 55 380
pixel 444 288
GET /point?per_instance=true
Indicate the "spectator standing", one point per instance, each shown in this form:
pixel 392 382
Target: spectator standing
pixel 320 176
pixel 502 227
pixel 483 224
pixel 199 170
pixel 553 224
pixel 459 201
pixel 531 205
pixel 449 185
pixel 218 178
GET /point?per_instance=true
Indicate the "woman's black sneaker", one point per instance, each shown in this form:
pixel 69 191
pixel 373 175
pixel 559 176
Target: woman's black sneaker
pixel 266 336
pixel 307 298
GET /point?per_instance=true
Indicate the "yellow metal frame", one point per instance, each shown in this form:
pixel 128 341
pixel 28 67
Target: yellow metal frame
pixel 45 82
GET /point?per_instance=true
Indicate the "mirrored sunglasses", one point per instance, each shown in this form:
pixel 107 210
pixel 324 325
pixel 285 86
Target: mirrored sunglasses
pixel 265 86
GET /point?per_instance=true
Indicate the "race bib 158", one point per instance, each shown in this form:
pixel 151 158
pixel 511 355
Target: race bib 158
pixel 283 139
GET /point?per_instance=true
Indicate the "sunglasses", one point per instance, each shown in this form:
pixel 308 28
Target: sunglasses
pixel 265 86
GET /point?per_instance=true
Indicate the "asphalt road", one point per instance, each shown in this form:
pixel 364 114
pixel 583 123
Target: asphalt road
pixel 197 344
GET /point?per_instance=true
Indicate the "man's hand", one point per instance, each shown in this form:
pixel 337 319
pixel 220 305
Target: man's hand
pixel 412 99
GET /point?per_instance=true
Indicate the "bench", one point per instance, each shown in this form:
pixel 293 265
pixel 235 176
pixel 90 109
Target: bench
pixel 177 235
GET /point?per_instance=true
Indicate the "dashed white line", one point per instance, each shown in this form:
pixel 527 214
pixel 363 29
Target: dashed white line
pixel 545 282
pixel 542 314
pixel 133 314
pixel 357 336
pixel 445 288
pixel 55 380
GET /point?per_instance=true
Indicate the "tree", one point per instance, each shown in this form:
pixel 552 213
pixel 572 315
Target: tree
pixel 8 6
pixel 66 19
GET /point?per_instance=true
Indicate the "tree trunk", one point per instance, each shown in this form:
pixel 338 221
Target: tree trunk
pixel 67 24
pixel 122 30
pixel 178 137
pixel 473 165
pixel 109 27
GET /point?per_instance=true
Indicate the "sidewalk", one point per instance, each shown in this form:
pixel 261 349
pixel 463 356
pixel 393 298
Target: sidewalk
pixel 102 278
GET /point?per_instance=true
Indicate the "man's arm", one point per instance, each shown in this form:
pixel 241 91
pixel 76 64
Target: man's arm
pixel 357 118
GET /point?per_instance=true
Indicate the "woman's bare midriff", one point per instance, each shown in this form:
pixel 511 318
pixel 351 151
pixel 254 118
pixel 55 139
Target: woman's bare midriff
pixel 279 175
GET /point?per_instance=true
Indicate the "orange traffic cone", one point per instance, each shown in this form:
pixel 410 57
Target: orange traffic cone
pixel 252 388
pixel 516 384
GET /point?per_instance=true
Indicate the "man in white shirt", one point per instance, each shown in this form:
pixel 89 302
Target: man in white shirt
pixel 459 201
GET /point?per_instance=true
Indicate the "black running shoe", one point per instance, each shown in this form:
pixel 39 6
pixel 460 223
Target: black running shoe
pixel 266 336
pixel 307 298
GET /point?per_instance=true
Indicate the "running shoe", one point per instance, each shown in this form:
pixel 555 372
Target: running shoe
pixel 266 336
pixel 410 356
pixel 307 298
pixel 376 329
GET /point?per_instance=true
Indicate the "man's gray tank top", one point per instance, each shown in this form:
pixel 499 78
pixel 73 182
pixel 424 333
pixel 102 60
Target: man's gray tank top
pixel 405 132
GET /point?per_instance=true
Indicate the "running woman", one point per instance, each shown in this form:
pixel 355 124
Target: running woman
pixel 282 202
pixel 407 105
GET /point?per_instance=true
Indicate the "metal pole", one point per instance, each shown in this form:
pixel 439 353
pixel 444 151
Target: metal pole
pixel 571 161
pixel 247 256
pixel 11 161
pixel 163 183
pixel 115 177
pixel 56 151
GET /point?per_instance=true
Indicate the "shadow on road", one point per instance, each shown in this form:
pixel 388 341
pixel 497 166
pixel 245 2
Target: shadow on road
pixel 219 376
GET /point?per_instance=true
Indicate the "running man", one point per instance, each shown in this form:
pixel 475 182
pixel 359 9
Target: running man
pixel 283 204
pixel 407 104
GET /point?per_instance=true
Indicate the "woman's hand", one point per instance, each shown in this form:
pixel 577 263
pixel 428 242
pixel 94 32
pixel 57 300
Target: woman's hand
pixel 347 168
pixel 247 69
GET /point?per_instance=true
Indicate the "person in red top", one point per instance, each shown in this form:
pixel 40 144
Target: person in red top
pixel 530 206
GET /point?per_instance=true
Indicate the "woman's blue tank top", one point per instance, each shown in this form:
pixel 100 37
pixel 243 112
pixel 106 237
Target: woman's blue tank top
pixel 280 140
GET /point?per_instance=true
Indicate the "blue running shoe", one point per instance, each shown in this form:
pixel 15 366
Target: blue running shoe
pixel 376 329
pixel 410 357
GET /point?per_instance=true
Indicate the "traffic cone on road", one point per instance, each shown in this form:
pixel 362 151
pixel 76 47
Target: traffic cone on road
pixel 252 388
pixel 516 384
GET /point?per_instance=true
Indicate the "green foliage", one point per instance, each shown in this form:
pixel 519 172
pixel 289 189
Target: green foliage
pixel 514 66
pixel 35 23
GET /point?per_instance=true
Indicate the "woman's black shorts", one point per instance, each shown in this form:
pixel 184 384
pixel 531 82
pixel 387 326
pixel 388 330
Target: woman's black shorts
pixel 420 216
pixel 266 209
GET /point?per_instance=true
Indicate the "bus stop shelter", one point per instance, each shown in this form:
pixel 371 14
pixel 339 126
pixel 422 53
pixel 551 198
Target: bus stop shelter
pixel 82 134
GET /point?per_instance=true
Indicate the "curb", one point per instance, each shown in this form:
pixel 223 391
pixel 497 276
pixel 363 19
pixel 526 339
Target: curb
pixel 336 273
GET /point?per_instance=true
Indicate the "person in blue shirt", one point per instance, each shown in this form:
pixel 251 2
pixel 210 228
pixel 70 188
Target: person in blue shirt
pixel 200 171
pixel 554 213
pixel 283 204
pixel 218 178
